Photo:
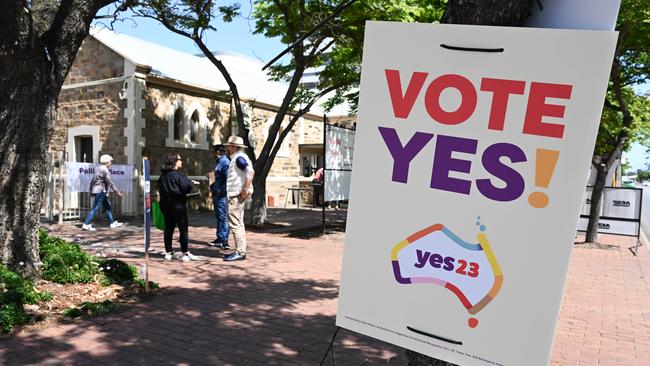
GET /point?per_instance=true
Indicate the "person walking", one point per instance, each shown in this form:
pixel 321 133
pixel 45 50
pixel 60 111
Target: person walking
pixel 174 187
pixel 317 184
pixel 219 198
pixel 239 187
pixel 100 186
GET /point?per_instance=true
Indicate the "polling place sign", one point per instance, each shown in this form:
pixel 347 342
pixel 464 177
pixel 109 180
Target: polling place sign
pixel 79 175
pixel 464 195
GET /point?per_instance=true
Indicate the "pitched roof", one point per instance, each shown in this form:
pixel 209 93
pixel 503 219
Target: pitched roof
pixel 252 83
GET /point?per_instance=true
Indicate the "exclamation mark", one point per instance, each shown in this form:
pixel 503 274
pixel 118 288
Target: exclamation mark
pixel 544 167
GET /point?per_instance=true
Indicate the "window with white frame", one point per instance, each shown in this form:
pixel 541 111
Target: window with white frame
pixel 187 126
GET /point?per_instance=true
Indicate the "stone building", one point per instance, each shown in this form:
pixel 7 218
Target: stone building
pixel 132 99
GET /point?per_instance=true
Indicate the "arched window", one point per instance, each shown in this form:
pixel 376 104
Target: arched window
pixel 178 124
pixel 194 127
pixel 186 130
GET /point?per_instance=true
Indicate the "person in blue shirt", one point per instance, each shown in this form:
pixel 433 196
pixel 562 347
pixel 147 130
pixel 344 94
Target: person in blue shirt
pixel 219 197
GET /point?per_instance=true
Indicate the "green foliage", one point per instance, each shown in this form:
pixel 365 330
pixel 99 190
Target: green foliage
pixel 626 116
pixel 15 291
pixel 613 125
pixel 643 175
pixel 152 285
pixel 11 315
pixel 88 309
pixel 341 38
pixel 65 262
pixel 117 272
pixel 187 17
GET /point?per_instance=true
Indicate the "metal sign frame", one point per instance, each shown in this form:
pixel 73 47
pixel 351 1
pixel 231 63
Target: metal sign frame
pixel 621 219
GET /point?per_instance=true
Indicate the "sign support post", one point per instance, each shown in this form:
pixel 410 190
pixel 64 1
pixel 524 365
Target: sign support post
pixel 147 220
pixel 324 162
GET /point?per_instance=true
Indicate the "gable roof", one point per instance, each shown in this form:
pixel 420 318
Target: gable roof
pixel 252 83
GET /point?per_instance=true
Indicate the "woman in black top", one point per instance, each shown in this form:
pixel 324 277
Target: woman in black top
pixel 174 187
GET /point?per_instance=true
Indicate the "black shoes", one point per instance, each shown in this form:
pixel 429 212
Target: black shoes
pixel 234 257
pixel 219 244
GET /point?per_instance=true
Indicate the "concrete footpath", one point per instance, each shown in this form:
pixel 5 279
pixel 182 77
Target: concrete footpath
pixel 279 306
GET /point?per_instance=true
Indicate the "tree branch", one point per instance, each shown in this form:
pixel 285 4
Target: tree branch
pixel 68 28
pixel 611 106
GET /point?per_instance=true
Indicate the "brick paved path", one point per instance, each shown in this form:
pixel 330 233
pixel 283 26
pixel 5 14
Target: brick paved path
pixel 278 308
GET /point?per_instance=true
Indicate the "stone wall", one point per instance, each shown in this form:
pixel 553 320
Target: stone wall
pixel 95 61
pixel 162 102
pixel 97 105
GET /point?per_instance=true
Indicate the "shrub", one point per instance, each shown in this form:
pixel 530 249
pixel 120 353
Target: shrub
pixel 117 272
pixel 152 285
pixel 15 291
pixel 65 262
pixel 91 309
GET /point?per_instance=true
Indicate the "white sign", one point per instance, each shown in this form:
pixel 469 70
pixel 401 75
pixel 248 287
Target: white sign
pixel 616 227
pixel 586 204
pixel 622 203
pixel 340 148
pixel 79 175
pixel 464 197
pixel 575 14
pixel 337 185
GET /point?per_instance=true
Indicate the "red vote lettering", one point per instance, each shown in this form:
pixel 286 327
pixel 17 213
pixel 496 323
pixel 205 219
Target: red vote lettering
pixel 403 102
pixel 467 99
pixel 501 90
pixel 537 108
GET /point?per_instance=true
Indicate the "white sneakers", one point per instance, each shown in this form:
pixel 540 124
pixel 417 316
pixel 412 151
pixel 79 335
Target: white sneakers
pixel 189 257
pixel 88 227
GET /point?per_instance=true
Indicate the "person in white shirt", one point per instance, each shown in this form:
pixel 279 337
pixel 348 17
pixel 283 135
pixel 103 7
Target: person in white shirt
pixel 239 188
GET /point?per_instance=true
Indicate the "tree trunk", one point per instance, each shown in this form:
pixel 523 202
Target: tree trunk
pixel 38 44
pixel 258 204
pixel 487 12
pixel 476 12
pixel 27 112
pixel 596 204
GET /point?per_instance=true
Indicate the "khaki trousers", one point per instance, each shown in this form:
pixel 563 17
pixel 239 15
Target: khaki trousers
pixel 236 207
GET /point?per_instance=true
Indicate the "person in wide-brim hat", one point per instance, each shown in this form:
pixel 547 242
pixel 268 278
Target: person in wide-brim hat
pixel 235 141
pixel 239 187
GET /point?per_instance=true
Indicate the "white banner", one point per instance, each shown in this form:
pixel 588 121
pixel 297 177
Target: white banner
pixel 622 203
pixel 616 227
pixel 340 148
pixel 474 156
pixel 337 185
pixel 79 175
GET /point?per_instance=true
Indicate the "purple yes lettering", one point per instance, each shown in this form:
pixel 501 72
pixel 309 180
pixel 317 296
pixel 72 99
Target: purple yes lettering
pixel 446 161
